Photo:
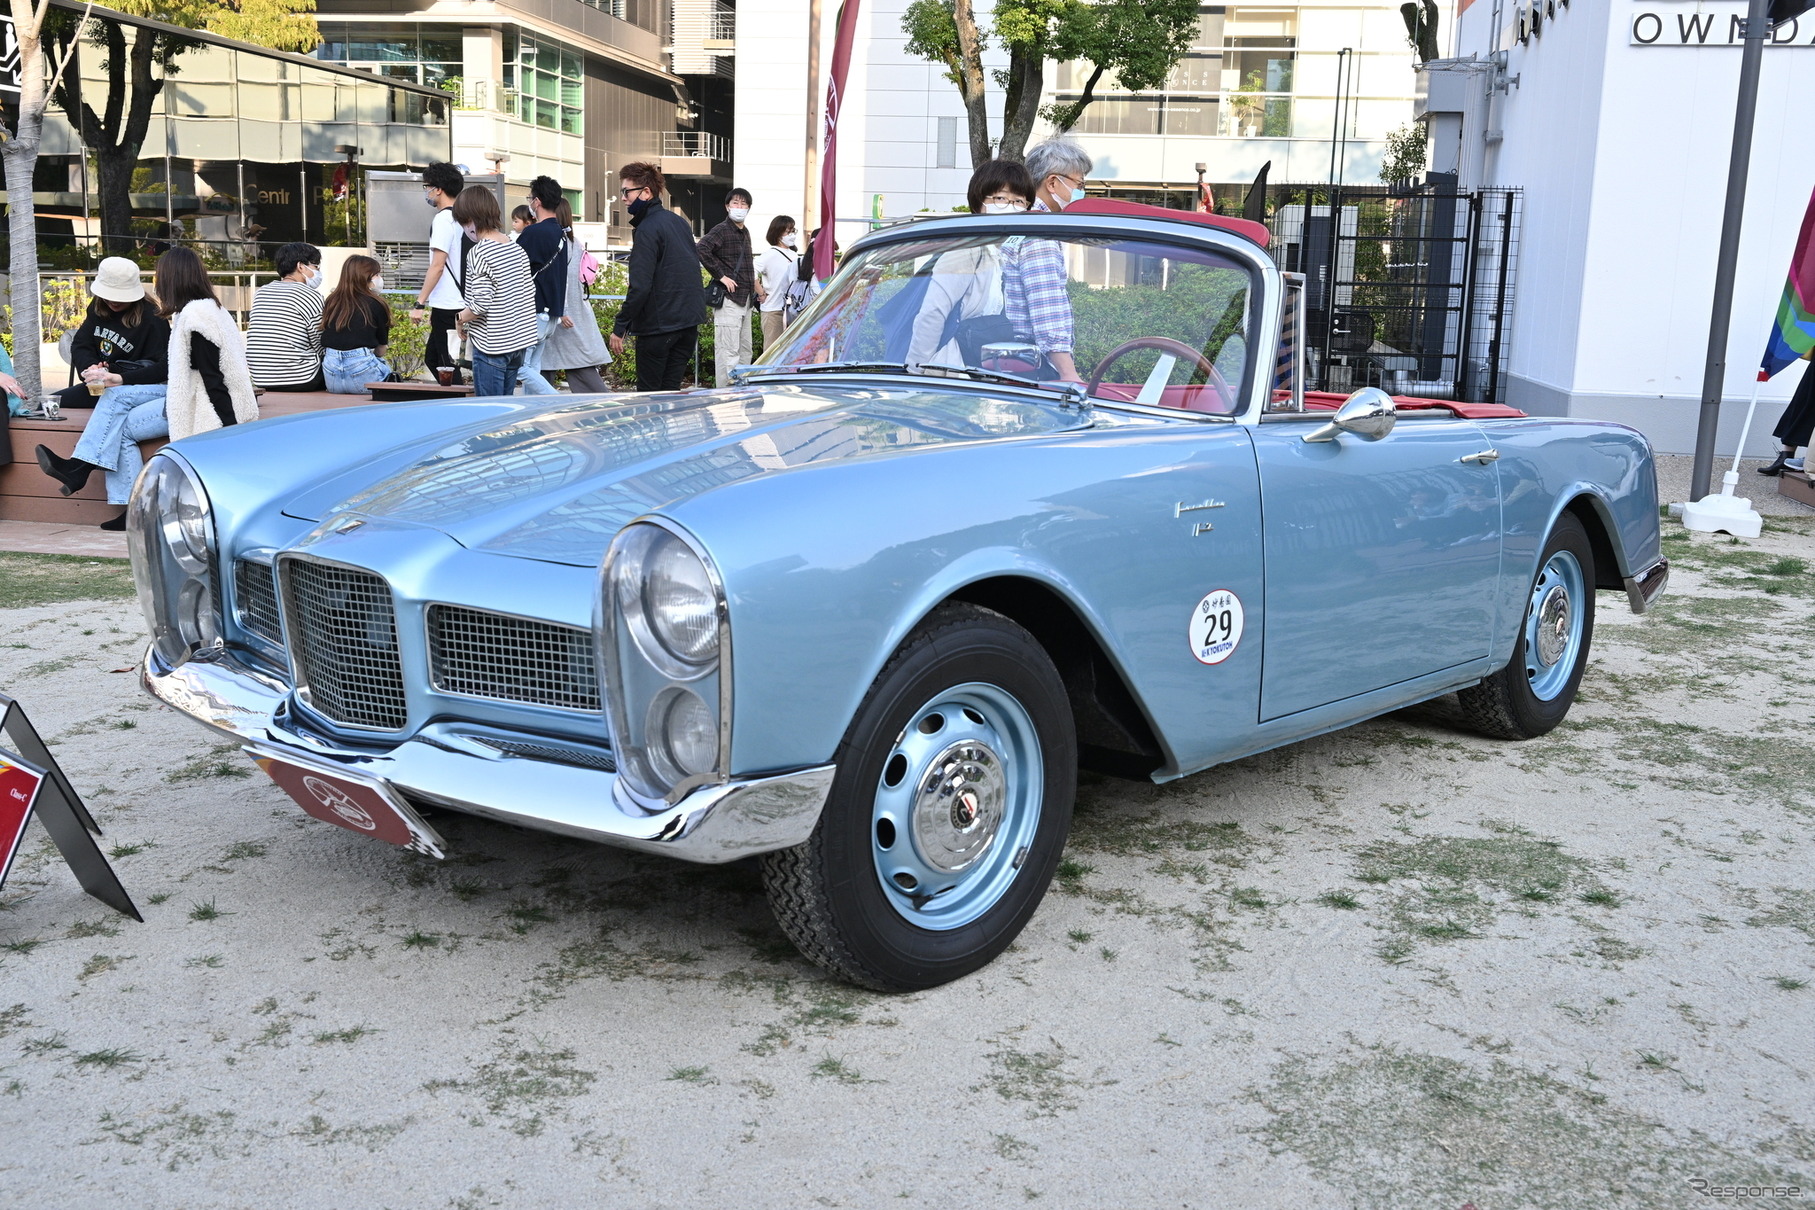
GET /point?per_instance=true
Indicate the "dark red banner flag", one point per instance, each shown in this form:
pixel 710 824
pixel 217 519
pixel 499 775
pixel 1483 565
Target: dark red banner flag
pixel 828 156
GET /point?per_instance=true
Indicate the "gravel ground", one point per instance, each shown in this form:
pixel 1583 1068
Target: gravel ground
pixel 1396 966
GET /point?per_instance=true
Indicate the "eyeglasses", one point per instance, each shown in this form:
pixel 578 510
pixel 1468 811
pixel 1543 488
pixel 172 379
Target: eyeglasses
pixel 1006 199
pixel 632 189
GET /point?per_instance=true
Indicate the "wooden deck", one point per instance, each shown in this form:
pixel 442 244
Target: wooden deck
pixel 28 494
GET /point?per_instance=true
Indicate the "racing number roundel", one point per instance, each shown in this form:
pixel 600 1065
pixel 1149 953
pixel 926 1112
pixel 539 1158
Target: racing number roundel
pixel 1216 627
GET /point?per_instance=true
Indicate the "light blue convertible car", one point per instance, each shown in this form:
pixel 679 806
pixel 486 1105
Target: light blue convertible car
pixel 866 613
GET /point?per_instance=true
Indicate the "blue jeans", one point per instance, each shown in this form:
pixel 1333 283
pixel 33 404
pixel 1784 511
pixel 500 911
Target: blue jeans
pixel 348 370
pixel 495 373
pixel 531 373
pixel 123 417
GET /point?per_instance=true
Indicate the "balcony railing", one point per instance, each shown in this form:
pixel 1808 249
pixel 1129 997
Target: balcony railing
pixel 721 25
pixel 696 143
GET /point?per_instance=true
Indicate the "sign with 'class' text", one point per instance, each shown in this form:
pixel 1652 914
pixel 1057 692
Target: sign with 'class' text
pixel 1708 24
pixel 19 785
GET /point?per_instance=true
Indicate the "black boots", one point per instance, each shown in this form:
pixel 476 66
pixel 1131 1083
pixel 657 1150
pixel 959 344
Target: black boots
pixel 73 473
pixel 116 524
pixel 1776 468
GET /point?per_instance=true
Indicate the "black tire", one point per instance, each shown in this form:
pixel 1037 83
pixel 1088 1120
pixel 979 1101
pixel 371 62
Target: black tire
pixel 828 894
pixel 1505 706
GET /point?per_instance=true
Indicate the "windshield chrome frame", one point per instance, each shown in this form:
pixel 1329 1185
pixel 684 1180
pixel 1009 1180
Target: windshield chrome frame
pixel 1265 300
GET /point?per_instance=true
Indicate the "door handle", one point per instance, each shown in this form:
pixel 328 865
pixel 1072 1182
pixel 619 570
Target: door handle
pixel 1482 458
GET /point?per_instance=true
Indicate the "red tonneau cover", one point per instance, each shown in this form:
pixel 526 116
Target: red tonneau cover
pixel 1329 401
pixel 1109 206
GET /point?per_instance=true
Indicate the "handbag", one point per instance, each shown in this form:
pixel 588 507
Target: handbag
pixel 589 267
pixel 715 294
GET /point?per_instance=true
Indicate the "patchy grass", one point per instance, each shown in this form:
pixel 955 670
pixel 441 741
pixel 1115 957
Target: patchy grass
pixel 110 1058
pixel 222 760
pixel 1038 1079
pixel 1391 1128
pixel 31 580
pixel 523 1086
pixel 837 1070
pixel 206 911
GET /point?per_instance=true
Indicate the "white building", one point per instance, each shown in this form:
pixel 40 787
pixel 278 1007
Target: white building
pixel 1617 121
pixel 1260 84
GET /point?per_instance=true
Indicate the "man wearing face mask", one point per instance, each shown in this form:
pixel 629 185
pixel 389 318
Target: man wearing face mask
pixel 439 299
pixel 1033 281
pixel 725 254
pixel 663 303
pixel 545 243
pixel 283 332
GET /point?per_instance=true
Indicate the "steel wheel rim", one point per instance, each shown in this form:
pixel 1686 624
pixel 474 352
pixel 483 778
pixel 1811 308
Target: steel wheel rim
pixel 1554 620
pixel 957 806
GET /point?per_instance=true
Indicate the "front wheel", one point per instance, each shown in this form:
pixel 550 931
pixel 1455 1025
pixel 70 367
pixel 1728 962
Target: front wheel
pixel 947 815
pixel 1534 691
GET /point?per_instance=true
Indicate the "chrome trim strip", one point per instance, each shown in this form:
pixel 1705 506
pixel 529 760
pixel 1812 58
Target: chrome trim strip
pixel 1643 590
pixel 714 824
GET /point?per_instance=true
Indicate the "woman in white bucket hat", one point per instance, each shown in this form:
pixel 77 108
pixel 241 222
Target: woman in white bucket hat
pixel 122 332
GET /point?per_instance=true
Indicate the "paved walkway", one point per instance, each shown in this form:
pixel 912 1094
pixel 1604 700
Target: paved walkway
pixel 41 538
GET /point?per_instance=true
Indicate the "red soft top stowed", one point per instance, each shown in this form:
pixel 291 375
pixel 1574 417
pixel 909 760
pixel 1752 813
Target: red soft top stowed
pixel 1256 232
pixel 1329 401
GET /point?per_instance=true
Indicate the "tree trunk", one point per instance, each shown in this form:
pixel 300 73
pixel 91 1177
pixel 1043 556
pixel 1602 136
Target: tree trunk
pixel 1026 77
pixel 113 190
pixel 971 85
pixel 20 155
pixel 1075 110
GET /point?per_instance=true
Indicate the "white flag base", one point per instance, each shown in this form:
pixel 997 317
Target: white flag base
pixel 1724 511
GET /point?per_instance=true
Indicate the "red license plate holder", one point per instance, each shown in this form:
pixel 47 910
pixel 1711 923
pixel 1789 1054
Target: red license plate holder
pixel 362 805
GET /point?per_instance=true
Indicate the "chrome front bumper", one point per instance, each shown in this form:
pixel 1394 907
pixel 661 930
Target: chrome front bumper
pixel 1644 589
pixel 445 765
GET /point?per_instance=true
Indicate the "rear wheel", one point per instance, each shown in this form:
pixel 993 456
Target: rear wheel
pixel 947 815
pixel 1534 691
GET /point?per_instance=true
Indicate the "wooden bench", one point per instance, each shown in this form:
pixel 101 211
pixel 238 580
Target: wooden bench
pixel 401 392
pixel 28 494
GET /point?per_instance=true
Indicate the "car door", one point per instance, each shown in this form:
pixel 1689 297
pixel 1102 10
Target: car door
pixel 1382 557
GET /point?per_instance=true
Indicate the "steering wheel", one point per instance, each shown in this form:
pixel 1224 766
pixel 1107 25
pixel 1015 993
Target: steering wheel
pixel 1165 344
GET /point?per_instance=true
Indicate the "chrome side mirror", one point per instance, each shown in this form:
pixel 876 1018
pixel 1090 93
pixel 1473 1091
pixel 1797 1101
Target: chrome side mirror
pixel 1368 413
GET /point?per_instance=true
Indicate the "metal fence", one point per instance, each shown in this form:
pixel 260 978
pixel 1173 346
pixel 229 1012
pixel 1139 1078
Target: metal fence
pixel 1410 290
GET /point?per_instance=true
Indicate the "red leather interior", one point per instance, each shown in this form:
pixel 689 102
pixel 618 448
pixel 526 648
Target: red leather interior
pixel 1329 401
pixel 1200 397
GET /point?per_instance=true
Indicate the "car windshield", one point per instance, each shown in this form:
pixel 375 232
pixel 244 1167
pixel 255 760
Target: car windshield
pixel 1137 321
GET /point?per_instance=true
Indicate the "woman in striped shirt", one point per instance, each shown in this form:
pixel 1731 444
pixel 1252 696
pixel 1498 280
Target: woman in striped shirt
pixel 500 295
pixel 283 333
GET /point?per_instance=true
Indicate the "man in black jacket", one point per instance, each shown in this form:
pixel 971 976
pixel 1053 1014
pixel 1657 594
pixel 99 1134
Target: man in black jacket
pixel 666 300
pixel 545 244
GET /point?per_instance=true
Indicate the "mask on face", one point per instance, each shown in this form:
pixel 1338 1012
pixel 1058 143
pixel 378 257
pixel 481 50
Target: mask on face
pixel 472 232
pixel 738 214
pixel 1077 195
pixel 637 207
pixel 1002 208
pixel 313 281
pixel 430 199
pixel 790 240
pixel 378 285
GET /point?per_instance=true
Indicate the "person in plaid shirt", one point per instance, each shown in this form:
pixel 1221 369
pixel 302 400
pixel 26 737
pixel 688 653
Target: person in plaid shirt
pixel 1034 278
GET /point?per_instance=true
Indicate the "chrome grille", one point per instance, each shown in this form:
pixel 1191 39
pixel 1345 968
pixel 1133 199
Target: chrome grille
pixel 343 639
pixel 586 759
pixel 255 592
pixel 494 655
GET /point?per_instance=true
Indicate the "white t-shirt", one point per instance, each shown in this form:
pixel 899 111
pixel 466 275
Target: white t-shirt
pixel 444 234
pixel 775 269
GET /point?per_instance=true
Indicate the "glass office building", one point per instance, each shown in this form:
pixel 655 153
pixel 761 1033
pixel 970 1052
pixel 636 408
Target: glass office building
pixel 245 149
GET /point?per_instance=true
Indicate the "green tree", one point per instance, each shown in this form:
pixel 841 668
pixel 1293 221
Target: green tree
pixel 1137 42
pixel 1404 157
pixel 137 61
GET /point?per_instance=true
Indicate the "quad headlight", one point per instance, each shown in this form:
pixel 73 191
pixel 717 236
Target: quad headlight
pixel 665 636
pixel 170 535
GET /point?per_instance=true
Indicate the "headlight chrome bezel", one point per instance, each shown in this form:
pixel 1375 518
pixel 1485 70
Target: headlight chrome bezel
pixel 175 559
pixel 643 674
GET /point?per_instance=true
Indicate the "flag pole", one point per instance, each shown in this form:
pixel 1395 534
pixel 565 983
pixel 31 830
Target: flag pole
pixel 808 210
pixel 1726 268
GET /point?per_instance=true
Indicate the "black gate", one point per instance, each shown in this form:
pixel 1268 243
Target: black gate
pixel 1409 290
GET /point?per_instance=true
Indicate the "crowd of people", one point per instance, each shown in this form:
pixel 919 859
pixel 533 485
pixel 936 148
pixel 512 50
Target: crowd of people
pixel 173 362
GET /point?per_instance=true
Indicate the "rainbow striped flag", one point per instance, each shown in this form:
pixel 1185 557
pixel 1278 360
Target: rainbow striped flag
pixel 1794 333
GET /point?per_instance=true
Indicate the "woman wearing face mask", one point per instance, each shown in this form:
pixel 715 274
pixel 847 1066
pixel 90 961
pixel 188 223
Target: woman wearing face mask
pixel 122 332
pixel 500 313
pixel 962 309
pixel 574 343
pixel 355 326
pixel 283 333
pixel 774 271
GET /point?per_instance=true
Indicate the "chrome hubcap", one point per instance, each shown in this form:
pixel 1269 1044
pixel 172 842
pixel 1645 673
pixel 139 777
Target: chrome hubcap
pixel 958 808
pixel 1553 625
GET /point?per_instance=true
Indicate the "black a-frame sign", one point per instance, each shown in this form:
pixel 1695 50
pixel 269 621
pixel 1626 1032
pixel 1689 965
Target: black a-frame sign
pixel 59 808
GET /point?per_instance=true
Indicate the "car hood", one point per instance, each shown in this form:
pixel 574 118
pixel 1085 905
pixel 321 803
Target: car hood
pixel 557 484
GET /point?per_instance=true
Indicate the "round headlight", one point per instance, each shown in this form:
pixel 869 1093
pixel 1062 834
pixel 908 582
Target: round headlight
pixel 683 608
pixel 681 735
pixel 196 623
pixel 184 521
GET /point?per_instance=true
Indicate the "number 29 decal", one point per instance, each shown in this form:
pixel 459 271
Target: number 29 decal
pixel 1216 627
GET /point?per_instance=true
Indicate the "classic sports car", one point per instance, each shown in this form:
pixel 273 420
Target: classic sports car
pixel 866 613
